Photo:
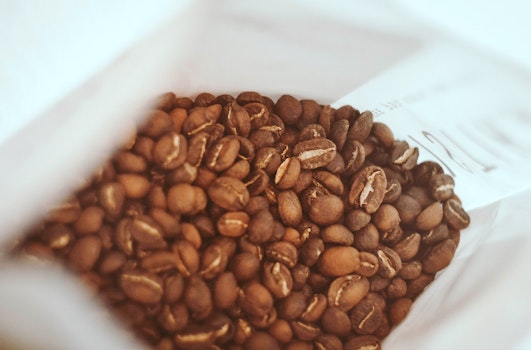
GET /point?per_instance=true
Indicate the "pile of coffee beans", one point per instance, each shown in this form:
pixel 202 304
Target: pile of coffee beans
pixel 243 223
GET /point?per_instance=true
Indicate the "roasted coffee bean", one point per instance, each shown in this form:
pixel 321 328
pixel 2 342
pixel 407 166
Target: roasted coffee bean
pixel 369 264
pixel 187 257
pixel 408 208
pixel 403 156
pixel 289 208
pixel 366 317
pixel 233 224
pixel 430 216
pixel 85 253
pixel 255 299
pixel 363 342
pixel 173 288
pixel 397 288
pixel 135 186
pixel 354 155
pixel 57 236
pixel 408 247
pixel 312 131
pixel 260 228
pixel 368 189
pixel 287 174
pixel 170 151
pixel 367 238
pixel 455 215
pixel 386 218
pixel 229 193
pixel 186 199
pixel 147 232
pixel 198 298
pixel 315 308
pixel 143 287
pixel 398 310
pixel 338 261
pixel 225 290
pixel 424 171
pixel 111 198
pixel 311 251
pixel 245 266
pixel 337 234
pixel 261 341
pixel 441 186
pixel 222 154
pixel 236 119
pixel 389 262
pixel 314 153
pixel 439 256
pixel 410 270
pixel 277 278
pixel 326 210
pixel 336 321
pixel 283 252
pixel 347 291
pixel 356 219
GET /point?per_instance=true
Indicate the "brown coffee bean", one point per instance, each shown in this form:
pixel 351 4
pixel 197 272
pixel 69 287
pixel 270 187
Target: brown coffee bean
pixel 346 291
pixel 65 213
pixel 386 218
pixel 222 154
pixel 171 225
pixel 191 234
pixel 158 123
pixel 439 256
pixel 338 261
pixel 90 220
pixel 187 257
pixel 330 182
pixel 337 234
pixel 311 251
pixel 361 128
pixel 111 198
pixel 441 186
pixel 312 131
pixel 354 155
pixel 123 238
pixel 408 247
pixel 255 299
pixel 144 147
pixel 195 337
pixel 229 193
pixel 363 342
pixel 289 109
pixel 135 186
pixel 399 310
pixel 393 191
pixel 281 331
pixel 225 290
pixel 389 261
pixel 283 252
pixel 403 156
pixel 287 174
pixel 455 215
pixel 369 264
pixel 417 285
pixel 277 278
pixel 233 224
pixel 436 235
pixel 258 113
pixel 213 261
pixel 338 132
pixel 367 238
pixel 368 189
pixel 383 134
pixel 160 261
pixel 289 208
pixel 186 199
pixel 356 219
pixel 174 317
pixel 410 270
pixel 236 119
pixel 336 321
pixel 408 208
pixel 85 253
pixel 315 308
pixel 142 287
pixel 173 288
pixel 260 227
pixel 423 172
pixel 420 194
pixel 198 298
pixel 170 151
pixel 57 236
pixel 129 162
pixel 200 118
pixel 245 266
pixel 326 210
pixel 326 117
pixel 147 232
pixel 315 153
pixel 397 288
pixel 366 317
pixel 378 283
pixel 430 216
pixel 261 341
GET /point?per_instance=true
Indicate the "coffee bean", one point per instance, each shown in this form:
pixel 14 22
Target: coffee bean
pixel 142 287
pixel 337 234
pixel 277 278
pixel 245 265
pixel 111 198
pixel 403 156
pixel 398 310
pixel 408 248
pixel 366 317
pixel 315 308
pixel 338 261
pixel 326 210
pixel 423 172
pixel 289 208
pixel 233 224
pixel 354 155
pixel 336 321
pixel 315 153
pixel 368 189
pixel 363 342
pixel 261 341
pixel 361 128
pixel 397 288
pixel 369 264
pixel 198 298
pixel 347 291
pixel 430 216
pixel 186 199
pixel 283 252
pixel 439 256
pixel 410 270
pixel 256 299
pixel 170 151
pixel 229 193
pixel 85 253
pixel 367 238
pixel 304 331
pixel 389 261
pixel 386 218
pixel 187 258
pixel 222 154
pixel 147 232
pixel 455 215
pixel 236 119
pixel 213 261
pixel 225 290
pixel 135 186
pixel 287 173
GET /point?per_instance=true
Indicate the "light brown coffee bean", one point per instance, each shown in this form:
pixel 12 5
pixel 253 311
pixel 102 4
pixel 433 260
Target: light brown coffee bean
pixel 222 154
pixel 338 132
pixel 65 213
pixel 361 128
pixel 331 182
pixel 386 218
pixel 187 257
pixel 311 251
pixel 408 248
pixel 315 153
pixel 368 189
pixel 417 285
pixel 85 253
pixel 258 113
pixel 160 261
pixel 255 299
pixel 239 170
pixel 367 238
pixel 142 287
pixel 171 224
pixel 315 308
pixel 369 264
pixel 338 261
pixel 260 228
pixel 170 151
pixel 213 261
pixel 261 341
pixel 233 224
pixel 389 262
pixel 200 118
pixel 198 298
pixel 383 134
pixel 289 208
pixel 229 193
pixel 174 317
pixel 236 119
pixel 336 321
pixel 408 208
pixel 455 215
pixel 337 234
pixel 277 278
pixel 287 174
pixel 289 109
pixel 397 288
pixel 399 310
pixel 225 290
pixel 135 186
pixel 123 238
pixel 129 162
pixel 326 210
pixel 441 186
pixel 347 291
pixel 410 270
pixel 430 216
pixel 57 236
pixel 366 317
pixel 354 155
pixel 439 256
pixel 112 197
pixel 312 131
pixel 173 288
pixel 147 232
pixel 245 266
pixel 191 234
pixel 157 124
pixel 356 219
pixel 436 235
pixel 186 199
pixel 283 252
pixel 281 331
pixel 363 342
pixel 90 220
pixel 403 156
